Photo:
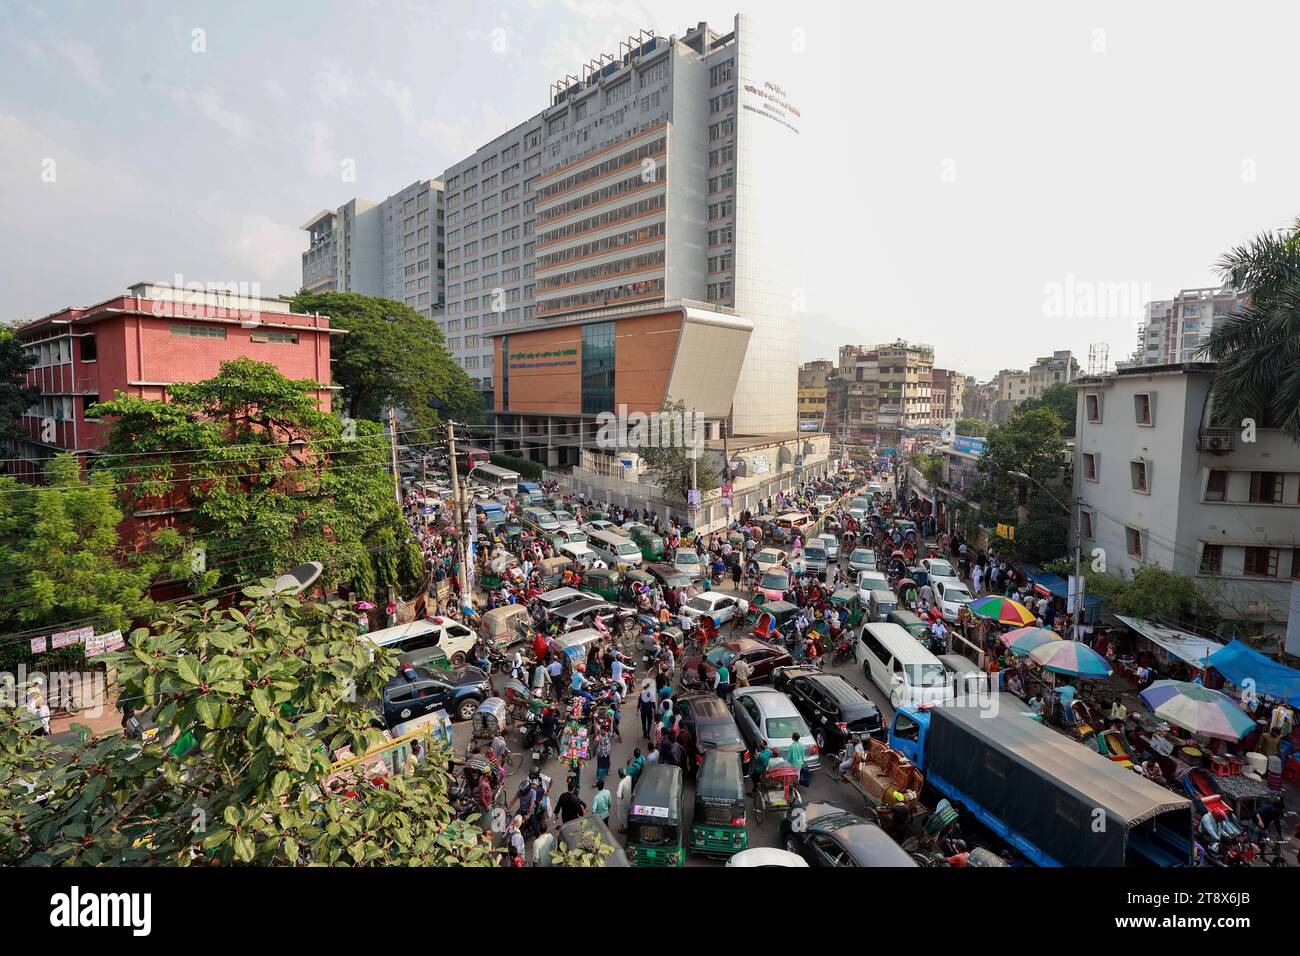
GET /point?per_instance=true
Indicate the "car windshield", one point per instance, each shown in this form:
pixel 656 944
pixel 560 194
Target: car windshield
pixel 687 557
pixel 626 548
pixel 720 655
pixel 576 536
pixel 927 675
pixel 783 728
pixel 956 594
pixel 941 569
pixel 817 554
pixel 862 556
pixel 769 557
pixel 776 580
pixel 699 604
pixel 874 584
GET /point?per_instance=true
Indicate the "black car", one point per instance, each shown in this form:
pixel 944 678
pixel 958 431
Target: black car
pixel 831 836
pixel 417 691
pixel 711 726
pixel 833 707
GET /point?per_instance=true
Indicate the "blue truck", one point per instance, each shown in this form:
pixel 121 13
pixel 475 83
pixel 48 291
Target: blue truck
pixel 1050 798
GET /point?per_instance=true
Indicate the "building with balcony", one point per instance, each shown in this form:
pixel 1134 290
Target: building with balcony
pixel 1161 485
pixel 143 342
pixel 1173 330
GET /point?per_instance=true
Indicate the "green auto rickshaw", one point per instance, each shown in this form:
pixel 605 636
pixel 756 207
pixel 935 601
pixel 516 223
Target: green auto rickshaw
pixel 651 544
pixel 654 821
pixel 718 828
pixel 847 599
pixel 604 582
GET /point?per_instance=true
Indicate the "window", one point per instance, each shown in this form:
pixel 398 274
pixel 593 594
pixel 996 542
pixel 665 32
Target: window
pixel 1085 527
pixel 198 331
pixel 597 367
pixel 86 402
pixel 1142 408
pixel 1133 541
pixel 1090 465
pixel 1092 407
pixel 1211 559
pixel 89 352
pixel 1138 471
pixel 1265 487
pixel 1261 562
pixel 1216 488
pixel 271 335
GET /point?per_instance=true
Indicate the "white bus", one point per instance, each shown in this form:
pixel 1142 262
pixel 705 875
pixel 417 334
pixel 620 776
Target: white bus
pixel 502 481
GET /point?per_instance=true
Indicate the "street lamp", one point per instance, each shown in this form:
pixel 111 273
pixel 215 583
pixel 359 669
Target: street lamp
pixel 1078 545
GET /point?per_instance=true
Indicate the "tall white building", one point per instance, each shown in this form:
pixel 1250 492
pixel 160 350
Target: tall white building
pixel 1160 485
pixel 664 171
pixel 1173 330
pixel 391 249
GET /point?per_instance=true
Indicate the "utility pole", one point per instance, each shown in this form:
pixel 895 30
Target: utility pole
pixel 726 465
pixel 392 447
pixel 1078 568
pixel 466 571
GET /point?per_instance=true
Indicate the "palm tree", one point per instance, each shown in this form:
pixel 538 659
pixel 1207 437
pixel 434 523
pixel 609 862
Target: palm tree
pixel 1258 350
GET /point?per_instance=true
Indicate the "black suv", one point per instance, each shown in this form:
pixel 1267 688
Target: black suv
pixel 833 707
pixel 417 691
pixel 711 726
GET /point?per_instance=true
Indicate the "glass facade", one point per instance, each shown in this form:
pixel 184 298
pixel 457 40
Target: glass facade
pixel 597 368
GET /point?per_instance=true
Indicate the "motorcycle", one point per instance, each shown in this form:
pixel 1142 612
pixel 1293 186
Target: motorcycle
pixel 842 651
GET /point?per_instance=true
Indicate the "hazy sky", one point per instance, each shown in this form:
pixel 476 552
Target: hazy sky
pixel 995 179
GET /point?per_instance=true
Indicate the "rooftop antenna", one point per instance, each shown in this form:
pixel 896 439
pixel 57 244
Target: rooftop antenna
pixel 1098 358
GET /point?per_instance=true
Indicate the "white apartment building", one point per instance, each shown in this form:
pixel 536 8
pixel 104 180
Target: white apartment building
pixel 1160 485
pixel 1174 329
pixel 490 244
pixel 661 173
pixel 391 249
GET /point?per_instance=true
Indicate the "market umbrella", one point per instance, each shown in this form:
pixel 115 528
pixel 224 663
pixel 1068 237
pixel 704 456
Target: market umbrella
pixel 1071 658
pixel 1205 712
pixel 1025 639
pixel 1002 609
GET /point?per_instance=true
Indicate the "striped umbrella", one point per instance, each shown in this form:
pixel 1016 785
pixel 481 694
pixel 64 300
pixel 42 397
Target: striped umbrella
pixel 1002 609
pixel 1205 712
pixel 1025 639
pixel 1070 658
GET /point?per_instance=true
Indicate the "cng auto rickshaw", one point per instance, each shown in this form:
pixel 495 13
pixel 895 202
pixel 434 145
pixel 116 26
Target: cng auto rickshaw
pixel 848 600
pixel 651 544
pixel 718 828
pixel 552 571
pixel 654 821
pixel 507 625
pixel 604 582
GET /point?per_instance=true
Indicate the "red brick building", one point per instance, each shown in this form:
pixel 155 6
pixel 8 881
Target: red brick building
pixel 145 341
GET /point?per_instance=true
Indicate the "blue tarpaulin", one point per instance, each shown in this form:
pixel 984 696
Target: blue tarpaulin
pixel 1059 587
pixel 1240 663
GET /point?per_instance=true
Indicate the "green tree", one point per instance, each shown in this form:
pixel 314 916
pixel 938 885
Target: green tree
pixel 268 480
pixel 971 427
pixel 670 464
pixel 1258 350
pixel 15 395
pixel 1060 398
pixel 1028 442
pixel 392 356
pixel 61 557
pixel 253 703
pixel 1151 592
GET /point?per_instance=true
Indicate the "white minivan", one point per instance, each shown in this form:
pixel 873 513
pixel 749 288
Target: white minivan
pixel 614 549
pixel 901 667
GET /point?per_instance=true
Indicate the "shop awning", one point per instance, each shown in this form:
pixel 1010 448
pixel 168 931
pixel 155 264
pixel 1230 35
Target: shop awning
pixel 1183 645
pixel 1046 583
pixel 1239 663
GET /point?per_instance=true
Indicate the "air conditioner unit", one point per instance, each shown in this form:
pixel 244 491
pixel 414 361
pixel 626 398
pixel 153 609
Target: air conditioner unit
pixel 1220 444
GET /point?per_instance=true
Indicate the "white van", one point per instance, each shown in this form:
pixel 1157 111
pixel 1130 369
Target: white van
pixel 579 553
pixel 614 549
pixel 901 667
pixel 414 642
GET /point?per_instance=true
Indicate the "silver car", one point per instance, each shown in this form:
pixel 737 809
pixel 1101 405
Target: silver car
pixel 832 546
pixel 765 714
pixel 862 559
pixel 687 561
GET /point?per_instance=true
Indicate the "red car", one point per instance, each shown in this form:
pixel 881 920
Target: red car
pixel 763 658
